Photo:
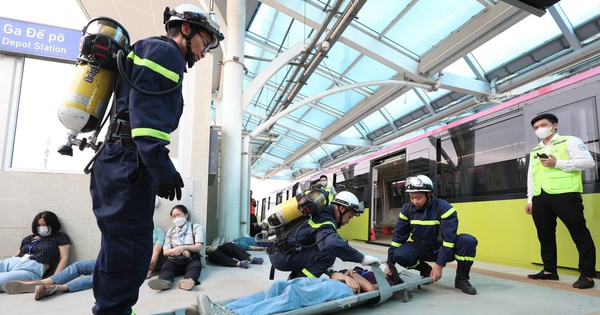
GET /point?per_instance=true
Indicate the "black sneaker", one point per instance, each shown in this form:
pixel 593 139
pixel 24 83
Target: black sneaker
pixel 583 283
pixel 543 276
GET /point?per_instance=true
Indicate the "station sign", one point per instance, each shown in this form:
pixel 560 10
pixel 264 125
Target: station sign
pixel 27 38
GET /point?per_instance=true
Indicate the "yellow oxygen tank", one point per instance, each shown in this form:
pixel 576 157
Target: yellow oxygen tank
pixel 311 203
pixel 86 101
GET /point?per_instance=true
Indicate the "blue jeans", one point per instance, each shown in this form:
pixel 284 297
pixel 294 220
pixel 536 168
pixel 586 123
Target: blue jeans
pixel 289 295
pixel 74 272
pixel 14 269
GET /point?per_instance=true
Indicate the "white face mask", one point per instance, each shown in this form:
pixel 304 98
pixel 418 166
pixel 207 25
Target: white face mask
pixel 179 221
pixel 384 269
pixel 544 132
pixel 323 183
pixel 44 230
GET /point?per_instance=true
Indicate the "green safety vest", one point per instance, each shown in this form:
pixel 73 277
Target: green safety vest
pixel 328 190
pixel 554 180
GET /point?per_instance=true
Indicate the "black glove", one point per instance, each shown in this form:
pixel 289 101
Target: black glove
pixel 168 188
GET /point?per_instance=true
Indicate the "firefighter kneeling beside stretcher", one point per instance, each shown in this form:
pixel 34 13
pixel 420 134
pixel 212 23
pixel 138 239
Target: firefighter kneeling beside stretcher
pixel 312 245
pixel 433 223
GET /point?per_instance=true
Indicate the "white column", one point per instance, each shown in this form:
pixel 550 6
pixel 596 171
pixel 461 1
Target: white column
pixel 231 135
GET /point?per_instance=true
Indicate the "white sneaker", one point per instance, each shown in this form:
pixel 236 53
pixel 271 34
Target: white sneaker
pixel 206 306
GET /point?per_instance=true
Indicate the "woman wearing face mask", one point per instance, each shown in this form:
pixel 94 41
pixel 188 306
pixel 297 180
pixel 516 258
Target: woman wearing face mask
pixel 183 243
pixel 43 252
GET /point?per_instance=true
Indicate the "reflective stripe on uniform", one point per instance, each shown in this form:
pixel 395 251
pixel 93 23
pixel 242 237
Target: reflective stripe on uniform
pixel 425 222
pixel 138 132
pixel 448 213
pixel 448 244
pixel 308 273
pixel 464 258
pixel 414 266
pixel 173 76
pixel 318 225
pixel 396 244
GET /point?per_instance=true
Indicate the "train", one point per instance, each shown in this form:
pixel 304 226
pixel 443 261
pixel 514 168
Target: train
pixel 479 164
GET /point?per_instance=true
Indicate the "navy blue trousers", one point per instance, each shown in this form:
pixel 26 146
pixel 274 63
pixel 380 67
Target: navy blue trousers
pixel 123 202
pixel 307 262
pixel 411 253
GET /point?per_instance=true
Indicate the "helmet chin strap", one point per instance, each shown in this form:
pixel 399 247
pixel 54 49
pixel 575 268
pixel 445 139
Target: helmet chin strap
pixel 341 215
pixel 191 58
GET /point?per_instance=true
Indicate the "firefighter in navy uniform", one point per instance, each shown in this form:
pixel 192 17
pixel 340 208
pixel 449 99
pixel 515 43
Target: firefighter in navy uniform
pixel 312 246
pixel 433 223
pixel 134 165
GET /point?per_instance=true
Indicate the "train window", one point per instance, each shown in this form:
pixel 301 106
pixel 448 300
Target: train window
pixel 579 119
pixel 487 159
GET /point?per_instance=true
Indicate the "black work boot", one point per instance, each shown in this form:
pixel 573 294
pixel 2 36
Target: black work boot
pixel 462 280
pixel 424 269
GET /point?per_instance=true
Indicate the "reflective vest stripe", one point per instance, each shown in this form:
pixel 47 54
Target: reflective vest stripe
pixel 396 244
pixel 318 225
pixel 308 273
pixel 448 213
pixel 464 258
pixel 138 132
pixel 171 75
pixel 425 222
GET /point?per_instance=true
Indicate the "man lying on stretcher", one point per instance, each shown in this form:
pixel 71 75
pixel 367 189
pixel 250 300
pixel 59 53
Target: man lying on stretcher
pixel 284 296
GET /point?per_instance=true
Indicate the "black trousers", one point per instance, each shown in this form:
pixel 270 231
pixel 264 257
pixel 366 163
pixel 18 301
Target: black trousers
pixel 568 208
pixel 224 255
pixel 191 270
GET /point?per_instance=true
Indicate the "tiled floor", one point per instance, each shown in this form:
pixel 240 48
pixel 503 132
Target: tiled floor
pixel 501 290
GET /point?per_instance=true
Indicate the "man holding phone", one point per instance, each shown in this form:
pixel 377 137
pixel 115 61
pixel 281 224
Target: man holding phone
pixel 554 190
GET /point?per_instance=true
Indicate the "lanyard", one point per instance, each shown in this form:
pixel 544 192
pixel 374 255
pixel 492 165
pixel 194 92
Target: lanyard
pixel 181 241
pixel 31 245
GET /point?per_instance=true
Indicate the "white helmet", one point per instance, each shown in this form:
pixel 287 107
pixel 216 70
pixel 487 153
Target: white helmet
pixel 350 201
pixel 194 15
pixel 419 183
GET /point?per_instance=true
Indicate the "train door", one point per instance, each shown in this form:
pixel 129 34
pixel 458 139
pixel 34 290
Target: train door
pixel 388 175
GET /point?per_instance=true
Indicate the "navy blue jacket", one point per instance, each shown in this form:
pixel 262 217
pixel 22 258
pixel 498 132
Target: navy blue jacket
pixel 425 224
pixel 154 64
pixel 322 229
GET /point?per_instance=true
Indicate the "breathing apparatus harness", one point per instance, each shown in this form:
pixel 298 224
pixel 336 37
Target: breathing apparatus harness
pixel 120 127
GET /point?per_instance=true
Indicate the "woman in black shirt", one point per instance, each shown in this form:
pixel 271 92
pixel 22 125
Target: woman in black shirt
pixel 44 251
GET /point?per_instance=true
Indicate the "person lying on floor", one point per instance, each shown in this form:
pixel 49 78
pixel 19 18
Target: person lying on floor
pixel 299 292
pixel 231 255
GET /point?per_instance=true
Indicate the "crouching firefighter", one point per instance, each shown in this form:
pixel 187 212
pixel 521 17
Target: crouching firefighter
pixel 133 165
pixel 311 244
pixel 432 224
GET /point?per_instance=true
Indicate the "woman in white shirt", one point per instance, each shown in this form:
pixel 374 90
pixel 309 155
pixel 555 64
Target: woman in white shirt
pixel 183 243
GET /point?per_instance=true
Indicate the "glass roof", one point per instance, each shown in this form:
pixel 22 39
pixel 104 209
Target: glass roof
pixel 472 46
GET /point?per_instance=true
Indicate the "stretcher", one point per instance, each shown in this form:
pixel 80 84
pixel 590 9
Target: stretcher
pixel 404 291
